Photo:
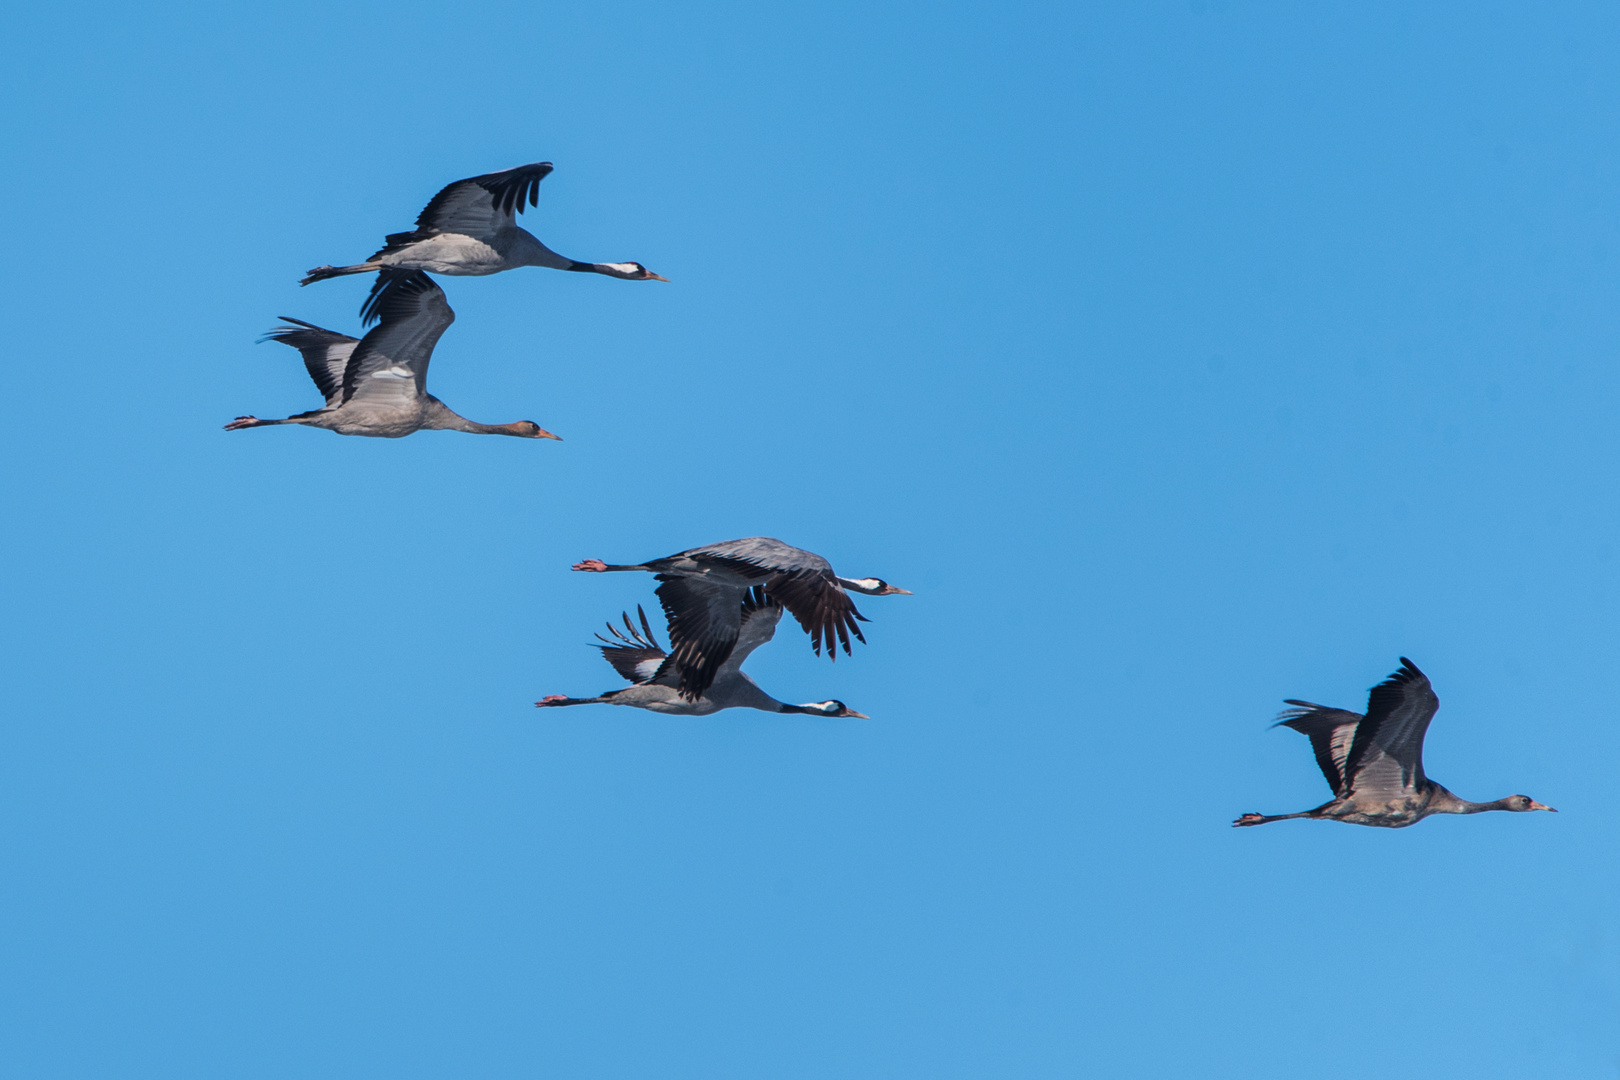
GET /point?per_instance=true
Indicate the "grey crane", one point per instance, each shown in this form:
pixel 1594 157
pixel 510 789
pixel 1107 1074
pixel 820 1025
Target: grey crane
pixel 656 678
pixel 1374 762
pixel 702 589
pixel 377 385
pixel 470 229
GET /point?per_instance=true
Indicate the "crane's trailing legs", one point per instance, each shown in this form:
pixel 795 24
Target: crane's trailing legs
pixel 252 421
pixel 1261 819
pixel 563 699
pixel 597 566
pixel 321 273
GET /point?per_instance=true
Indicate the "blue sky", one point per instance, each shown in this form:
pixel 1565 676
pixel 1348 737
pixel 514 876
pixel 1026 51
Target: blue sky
pixel 1181 357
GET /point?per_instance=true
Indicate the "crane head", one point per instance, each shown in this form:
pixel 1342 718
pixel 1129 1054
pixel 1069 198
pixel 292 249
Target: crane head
pixel 832 708
pixel 872 586
pixel 528 429
pixel 630 271
pixel 1522 803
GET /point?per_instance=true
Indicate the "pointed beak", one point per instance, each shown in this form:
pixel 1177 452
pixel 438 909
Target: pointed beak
pixel 1538 806
pixel 656 277
pixel 857 715
pixel 892 591
pixel 544 434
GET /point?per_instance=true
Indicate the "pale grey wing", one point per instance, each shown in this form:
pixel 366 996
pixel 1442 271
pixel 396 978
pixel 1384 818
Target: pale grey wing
pixel 1331 732
pixel 763 553
pixel 1386 757
pixel 482 205
pixel 389 367
pixel 705 618
pixel 760 614
pixel 326 354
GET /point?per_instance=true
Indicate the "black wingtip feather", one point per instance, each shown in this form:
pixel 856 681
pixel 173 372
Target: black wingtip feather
pixel 394 293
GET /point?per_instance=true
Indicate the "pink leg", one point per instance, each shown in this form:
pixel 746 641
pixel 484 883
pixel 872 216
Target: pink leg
pixel 1249 819
pixel 550 699
pixel 243 422
pixel 595 566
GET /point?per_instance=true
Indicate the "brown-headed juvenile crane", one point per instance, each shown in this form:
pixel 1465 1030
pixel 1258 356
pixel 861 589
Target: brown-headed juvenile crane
pixel 377 386
pixel 656 677
pixel 470 229
pixel 702 591
pixel 1374 762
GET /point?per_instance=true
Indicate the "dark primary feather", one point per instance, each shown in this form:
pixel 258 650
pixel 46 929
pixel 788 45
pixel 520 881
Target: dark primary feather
pixel 508 190
pixel 705 618
pixel 1398 713
pixel 395 291
pixel 315 345
pixel 628 650
pixel 821 605
pixel 1330 732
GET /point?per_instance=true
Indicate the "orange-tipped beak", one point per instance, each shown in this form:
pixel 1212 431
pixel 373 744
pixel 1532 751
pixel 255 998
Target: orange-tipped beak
pixel 1538 806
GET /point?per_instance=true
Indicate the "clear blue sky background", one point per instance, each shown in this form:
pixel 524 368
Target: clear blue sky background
pixel 1181 358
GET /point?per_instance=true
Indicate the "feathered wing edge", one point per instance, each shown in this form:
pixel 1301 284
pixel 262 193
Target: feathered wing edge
pixel 630 649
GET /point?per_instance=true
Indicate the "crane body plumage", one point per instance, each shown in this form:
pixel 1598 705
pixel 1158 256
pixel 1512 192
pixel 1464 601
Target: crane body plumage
pixel 1374 761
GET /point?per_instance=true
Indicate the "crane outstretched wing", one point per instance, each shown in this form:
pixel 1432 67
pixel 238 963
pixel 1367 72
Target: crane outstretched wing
pixel 478 206
pixel 325 352
pixel 802 581
pixel 634 654
pixel 1331 732
pixel 1386 757
pixel 760 614
pixel 705 618
pixel 390 364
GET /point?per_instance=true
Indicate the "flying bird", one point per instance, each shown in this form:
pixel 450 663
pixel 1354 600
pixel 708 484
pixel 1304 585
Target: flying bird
pixel 656 677
pixel 1374 762
pixel 377 385
pixel 702 592
pixel 470 229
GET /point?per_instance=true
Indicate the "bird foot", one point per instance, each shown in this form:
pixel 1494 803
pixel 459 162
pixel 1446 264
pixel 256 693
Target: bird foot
pixel 550 699
pixel 1248 819
pixel 595 566
pixel 242 422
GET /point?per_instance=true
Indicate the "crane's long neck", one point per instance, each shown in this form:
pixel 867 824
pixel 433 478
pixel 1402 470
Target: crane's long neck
pixel 524 250
pixel 1451 804
pixel 444 418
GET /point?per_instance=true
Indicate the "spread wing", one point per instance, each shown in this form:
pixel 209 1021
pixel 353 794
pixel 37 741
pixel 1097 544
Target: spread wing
pixel 760 613
pixel 1331 732
pixel 479 206
pixel 325 352
pixel 1386 757
pixel 389 366
pixel 802 581
pixel 634 654
pixel 705 618
pixel 821 605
